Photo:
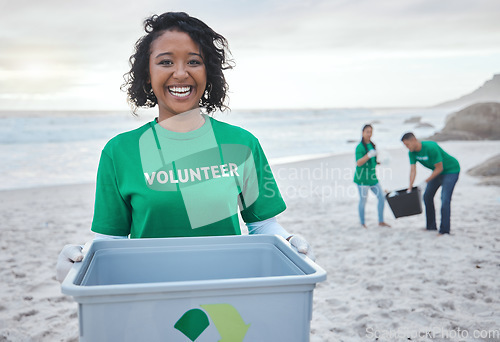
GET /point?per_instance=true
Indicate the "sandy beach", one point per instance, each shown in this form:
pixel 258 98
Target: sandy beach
pixel 381 281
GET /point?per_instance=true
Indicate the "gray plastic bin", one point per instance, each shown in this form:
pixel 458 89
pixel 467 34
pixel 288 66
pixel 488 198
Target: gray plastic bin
pixel 229 289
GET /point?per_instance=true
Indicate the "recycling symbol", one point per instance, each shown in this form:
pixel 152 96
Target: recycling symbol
pixel 225 317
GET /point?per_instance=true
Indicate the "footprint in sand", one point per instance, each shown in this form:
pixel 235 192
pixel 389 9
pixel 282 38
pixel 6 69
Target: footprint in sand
pixel 374 288
pixel 384 303
pixel 442 282
pixel 12 335
pixel 471 296
pixel 448 305
pixel 25 314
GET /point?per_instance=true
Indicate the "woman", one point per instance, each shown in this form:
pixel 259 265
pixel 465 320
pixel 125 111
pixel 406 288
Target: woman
pixel 365 176
pixel 185 173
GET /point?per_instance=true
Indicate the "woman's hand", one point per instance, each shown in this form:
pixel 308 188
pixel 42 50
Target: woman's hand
pixel 371 153
pixel 302 246
pixel 68 256
pixel 361 161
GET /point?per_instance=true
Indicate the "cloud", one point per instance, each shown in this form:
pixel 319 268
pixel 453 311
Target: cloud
pixel 59 47
pixel 376 25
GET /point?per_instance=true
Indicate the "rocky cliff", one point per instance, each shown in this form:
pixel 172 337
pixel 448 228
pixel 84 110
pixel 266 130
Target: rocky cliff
pixel 488 92
pixel 480 121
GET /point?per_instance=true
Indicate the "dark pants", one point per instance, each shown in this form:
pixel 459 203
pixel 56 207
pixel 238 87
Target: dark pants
pixel 447 181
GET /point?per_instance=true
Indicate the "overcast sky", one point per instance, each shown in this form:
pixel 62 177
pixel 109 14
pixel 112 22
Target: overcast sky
pixel 288 53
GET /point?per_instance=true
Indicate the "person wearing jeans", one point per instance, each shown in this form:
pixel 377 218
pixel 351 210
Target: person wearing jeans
pixel 366 178
pixel 445 173
pixel 363 196
pixel 447 182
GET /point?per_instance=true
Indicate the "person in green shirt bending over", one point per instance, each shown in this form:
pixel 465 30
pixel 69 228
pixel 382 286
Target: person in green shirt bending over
pixel 445 172
pixel 365 176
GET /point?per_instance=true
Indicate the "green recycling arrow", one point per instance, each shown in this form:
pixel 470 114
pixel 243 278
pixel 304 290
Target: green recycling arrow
pixel 192 323
pixel 228 322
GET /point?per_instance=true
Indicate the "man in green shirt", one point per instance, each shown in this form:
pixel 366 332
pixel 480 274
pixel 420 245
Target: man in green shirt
pixel 445 172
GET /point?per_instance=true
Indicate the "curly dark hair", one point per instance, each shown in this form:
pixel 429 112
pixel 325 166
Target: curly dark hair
pixel 214 49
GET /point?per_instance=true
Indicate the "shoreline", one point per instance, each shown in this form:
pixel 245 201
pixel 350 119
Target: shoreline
pixel 47 187
pixel 289 161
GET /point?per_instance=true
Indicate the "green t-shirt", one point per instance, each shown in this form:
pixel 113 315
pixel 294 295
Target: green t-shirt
pixel 365 174
pixel 153 182
pixel 431 154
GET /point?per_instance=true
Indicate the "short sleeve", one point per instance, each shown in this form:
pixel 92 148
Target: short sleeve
pixel 360 152
pixel 112 214
pixel 413 159
pixel 261 188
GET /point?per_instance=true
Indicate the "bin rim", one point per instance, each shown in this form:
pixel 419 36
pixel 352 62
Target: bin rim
pixel 402 191
pixel 313 273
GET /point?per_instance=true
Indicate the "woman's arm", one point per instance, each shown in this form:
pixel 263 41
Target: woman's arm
pixel 98 236
pixel 269 226
pixel 366 157
pixel 272 227
pixel 361 161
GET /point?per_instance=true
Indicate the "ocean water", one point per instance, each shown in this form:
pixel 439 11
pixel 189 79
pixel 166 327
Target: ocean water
pixel 46 148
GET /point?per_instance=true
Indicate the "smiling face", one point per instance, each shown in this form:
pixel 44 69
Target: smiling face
pixel 177 73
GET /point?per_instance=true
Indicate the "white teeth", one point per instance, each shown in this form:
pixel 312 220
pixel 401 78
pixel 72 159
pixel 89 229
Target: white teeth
pixel 180 91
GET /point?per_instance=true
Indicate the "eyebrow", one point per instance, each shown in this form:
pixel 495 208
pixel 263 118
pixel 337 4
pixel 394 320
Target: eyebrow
pixel 171 53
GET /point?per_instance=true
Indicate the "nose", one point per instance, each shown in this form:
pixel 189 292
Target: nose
pixel 180 72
